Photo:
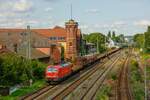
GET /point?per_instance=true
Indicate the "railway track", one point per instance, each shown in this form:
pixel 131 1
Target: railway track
pixel 47 90
pixel 123 86
pixel 91 93
pixel 41 91
pixel 86 91
pixel 37 93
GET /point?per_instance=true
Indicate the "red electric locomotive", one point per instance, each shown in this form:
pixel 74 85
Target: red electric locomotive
pixel 58 72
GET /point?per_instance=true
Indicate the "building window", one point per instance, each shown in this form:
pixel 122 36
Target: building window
pixel 59 38
pixel 63 38
pixel 53 38
pixel 23 34
pixel 70 43
pixel 56 38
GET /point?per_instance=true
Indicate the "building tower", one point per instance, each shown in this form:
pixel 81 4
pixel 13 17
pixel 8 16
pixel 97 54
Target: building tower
pixel 71 45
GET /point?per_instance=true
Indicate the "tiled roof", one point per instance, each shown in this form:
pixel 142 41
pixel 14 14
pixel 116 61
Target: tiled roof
pixel 56 31
pixel 39 34
pixel 35 54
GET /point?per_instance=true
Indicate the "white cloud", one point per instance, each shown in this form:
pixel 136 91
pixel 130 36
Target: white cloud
pixel 15 13
pixel 22 5
pixel 92 11
pixel 97 26
pixel 18 22
pixel 16 5
pixel 8 14
pixel 103 25
pixel 119 23
pixel 48 9
pixel 84 26
pixel 116 30
pixel 142 23
pixel 116 24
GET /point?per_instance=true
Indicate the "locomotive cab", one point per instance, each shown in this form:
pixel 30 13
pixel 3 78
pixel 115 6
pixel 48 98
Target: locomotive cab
pixel 57 73
pixel 52 73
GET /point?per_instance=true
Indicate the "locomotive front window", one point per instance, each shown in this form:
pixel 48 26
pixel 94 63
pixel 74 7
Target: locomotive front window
pixel 52 70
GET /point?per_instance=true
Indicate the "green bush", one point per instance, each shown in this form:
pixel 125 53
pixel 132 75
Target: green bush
pixel 38 69
pixel 104 93
pixel 15 69
pixel 114 76
pixel 136 81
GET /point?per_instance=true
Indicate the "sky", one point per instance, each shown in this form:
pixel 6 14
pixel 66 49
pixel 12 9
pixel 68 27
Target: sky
pixel 122 16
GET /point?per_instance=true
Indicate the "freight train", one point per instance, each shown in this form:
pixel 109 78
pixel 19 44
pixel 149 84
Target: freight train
pixel 56 73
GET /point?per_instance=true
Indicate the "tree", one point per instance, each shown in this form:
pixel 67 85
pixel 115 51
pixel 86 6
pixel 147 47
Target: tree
pixel 113 35
pixel 147 40
pixel 97 38
pixel 15 69
pixel 120 38
pixel 139 40
pixel 109 34
pixel 62 53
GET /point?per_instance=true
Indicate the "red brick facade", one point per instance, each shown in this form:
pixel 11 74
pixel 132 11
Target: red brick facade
pixel 71 29
pixel 68 37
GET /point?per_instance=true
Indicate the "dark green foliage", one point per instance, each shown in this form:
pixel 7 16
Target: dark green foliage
pixel 147 40
pixel 120 38
pixel 15 69
pixel 137 81
pixel 114 76
pixel 96 38
pixel 62 53
pixel 139 40
pixel 143 40
pixel 38 69
pixel 116 38
pixel 103 94
pixel 109 34
pixel 113 35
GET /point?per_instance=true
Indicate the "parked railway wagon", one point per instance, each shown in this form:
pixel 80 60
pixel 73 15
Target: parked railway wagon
pixel 56 73
pixel 83 61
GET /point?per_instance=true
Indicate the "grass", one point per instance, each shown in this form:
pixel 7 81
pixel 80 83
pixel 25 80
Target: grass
pixel 145 56
pixel 23 91
pixel 137 82
pixel 104 93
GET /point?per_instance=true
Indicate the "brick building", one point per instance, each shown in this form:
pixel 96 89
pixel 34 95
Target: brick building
pixel 46 42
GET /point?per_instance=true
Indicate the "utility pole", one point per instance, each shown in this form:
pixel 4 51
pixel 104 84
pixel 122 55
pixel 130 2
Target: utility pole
pixel 29 42
pixel 97 46
pixel 105 40
pixel 145 73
